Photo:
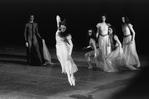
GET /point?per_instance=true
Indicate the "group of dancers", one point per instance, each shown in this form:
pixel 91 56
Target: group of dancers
pixel 109 54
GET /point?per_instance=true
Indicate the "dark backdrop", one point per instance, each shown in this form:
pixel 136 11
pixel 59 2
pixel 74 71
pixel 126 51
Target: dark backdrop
pixel 80 14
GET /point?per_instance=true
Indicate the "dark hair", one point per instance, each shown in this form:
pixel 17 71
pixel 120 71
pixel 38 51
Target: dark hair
pixel 113 29
pixel 63 22
pixel 92 36
pixel 113 33
pixel 126 19
pixel 102 16
pixel 64 34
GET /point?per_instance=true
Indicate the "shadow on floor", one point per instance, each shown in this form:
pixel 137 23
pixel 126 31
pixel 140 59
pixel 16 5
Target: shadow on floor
pixel 17 59
pixel 138 89
pixel 12 56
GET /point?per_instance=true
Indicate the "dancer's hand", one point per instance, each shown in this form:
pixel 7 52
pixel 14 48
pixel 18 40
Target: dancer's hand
pixel 86 47
pixel 26 44
pixel 130 42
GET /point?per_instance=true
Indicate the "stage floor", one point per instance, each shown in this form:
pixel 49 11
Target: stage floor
pixel 21 81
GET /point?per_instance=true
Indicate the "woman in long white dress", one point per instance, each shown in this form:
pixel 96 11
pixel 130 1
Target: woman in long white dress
pixel 116 59
pixel 103 37
pixel 64 48
pixel 129 46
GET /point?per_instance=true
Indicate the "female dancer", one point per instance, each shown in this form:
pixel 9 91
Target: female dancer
pixel 92 44
pixel 115 60
pixel 129 46
pixel 102 31
pixel 64 50
pixel 96 52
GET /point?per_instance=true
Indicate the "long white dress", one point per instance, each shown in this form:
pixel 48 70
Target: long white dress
pixel 104 38
pixel 101 61
pixel 131 56
pixel 63 51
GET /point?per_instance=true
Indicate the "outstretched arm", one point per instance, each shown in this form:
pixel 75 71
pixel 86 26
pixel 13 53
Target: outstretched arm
pixel 86 47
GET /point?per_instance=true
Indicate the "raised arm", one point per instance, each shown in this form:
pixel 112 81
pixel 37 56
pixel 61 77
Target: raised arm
pixel 58 20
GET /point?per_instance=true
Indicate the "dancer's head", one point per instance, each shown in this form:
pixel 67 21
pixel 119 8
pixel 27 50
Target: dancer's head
pixel 63 26
pixel 91 34
pixel 32 18
pixel 104 17
pixel 110 30
pixel 125 19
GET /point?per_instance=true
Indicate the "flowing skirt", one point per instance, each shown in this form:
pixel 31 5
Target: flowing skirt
pixel 46 54
pixel 115 60
pixel 68 66
pixel 101 61
pixel 131 56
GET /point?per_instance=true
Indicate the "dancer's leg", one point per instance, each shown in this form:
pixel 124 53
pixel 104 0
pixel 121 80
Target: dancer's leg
pixel 87 57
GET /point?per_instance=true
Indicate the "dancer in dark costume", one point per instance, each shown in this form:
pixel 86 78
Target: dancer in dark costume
pixel 35 45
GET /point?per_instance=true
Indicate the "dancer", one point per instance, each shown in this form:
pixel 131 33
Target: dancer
pixel 129 46
pixel 35 45
pixel 92 44
pixel 115 60
pixel 64 48
pixel 102 33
